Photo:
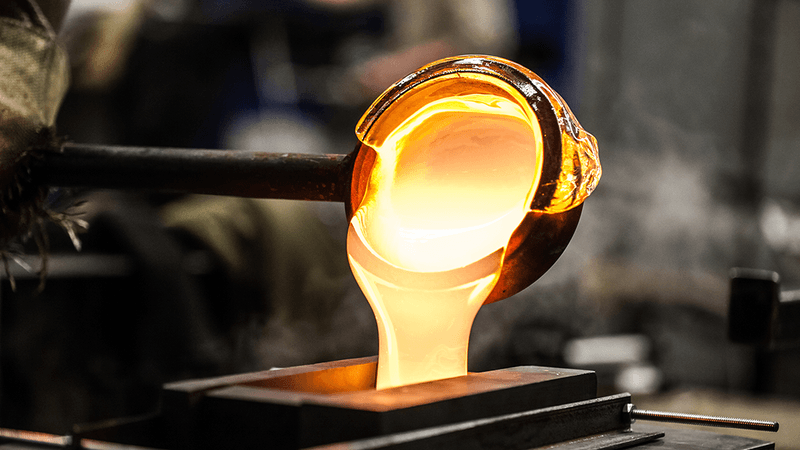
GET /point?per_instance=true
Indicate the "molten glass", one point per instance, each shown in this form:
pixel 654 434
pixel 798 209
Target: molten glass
pixel 458 158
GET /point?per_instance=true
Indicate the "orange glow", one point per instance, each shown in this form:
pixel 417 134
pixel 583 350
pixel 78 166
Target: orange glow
pixel 449 186
pixel 457 164
pixel 451 183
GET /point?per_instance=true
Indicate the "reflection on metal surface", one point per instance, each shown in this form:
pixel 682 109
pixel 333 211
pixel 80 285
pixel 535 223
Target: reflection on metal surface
pixel 460 157
pixel 33 436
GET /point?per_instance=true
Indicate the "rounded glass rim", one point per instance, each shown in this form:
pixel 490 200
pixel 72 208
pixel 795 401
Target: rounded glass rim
pixel 553 115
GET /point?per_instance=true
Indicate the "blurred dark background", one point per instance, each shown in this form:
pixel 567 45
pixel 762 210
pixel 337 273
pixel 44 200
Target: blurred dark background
pixel 695 107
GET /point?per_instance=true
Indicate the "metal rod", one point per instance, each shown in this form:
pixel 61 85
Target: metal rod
pixel 218 172
pixel 698 419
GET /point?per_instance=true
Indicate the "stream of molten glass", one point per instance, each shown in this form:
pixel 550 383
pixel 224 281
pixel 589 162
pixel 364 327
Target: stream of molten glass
pixel 449 186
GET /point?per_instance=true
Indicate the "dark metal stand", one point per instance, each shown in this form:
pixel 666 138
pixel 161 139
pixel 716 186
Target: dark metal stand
pixel 335 406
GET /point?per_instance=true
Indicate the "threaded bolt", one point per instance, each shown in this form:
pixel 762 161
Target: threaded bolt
pixel 632 414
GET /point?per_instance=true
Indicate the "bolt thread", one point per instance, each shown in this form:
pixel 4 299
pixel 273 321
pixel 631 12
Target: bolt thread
pixel 697 419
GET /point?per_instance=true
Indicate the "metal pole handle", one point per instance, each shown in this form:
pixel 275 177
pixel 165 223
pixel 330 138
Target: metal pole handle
pixel 221 172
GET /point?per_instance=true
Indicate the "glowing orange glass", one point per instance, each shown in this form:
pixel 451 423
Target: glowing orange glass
pixel 462 155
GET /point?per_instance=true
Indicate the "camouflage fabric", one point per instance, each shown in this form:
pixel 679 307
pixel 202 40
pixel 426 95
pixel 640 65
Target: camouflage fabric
pixel 33 80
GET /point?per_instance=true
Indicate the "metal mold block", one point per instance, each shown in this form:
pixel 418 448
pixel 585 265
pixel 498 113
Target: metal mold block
pixel 336 401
